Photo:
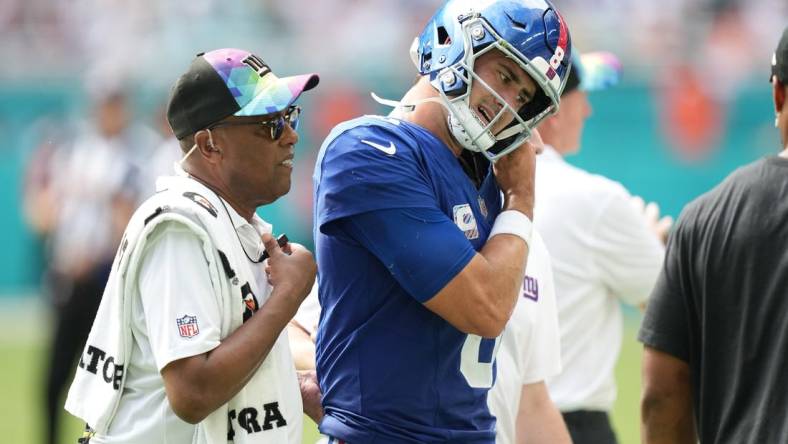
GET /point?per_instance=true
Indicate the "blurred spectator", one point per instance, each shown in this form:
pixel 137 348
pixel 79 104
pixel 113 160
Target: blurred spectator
pixel 166 153
pixel 360 32
pixel 62 39
pixel 691 119
pixel 80 196
pixel 38 189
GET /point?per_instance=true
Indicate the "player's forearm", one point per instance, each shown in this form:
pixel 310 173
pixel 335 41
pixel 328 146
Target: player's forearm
pixel 198 385
pixel 538 419
pixel 506 257
pixel 480 299
pixel 496 283
pixel 544 428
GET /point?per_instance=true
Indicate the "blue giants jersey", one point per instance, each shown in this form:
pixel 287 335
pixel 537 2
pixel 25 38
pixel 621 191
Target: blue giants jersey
pixel 396 218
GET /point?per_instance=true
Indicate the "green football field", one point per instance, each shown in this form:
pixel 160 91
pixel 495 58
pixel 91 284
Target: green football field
pixel 22 352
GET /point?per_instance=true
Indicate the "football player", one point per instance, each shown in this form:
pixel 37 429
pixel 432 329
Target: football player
pixel 422 223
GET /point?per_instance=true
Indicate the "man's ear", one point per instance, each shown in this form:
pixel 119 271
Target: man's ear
pixel 778 94
pixel 206 146
pixel 549 125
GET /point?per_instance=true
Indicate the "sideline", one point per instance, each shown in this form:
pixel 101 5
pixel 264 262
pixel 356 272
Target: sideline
pixel 24 319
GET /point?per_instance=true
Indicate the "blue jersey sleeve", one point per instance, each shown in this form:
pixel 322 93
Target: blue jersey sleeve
pixel 369 167
pixel 421 247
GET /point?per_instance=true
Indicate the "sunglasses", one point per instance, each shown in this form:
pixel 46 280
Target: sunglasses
pixel 276 125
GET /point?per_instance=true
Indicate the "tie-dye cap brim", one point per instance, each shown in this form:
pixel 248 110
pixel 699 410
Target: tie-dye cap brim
pixel 230 82
pixel 599 70
pixel 276 94
pixel 253 85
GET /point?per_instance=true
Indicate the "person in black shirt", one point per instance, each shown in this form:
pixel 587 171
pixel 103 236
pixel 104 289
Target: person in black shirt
pixel 715 364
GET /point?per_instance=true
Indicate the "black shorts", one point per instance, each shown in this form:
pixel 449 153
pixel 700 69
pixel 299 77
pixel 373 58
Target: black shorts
pixel 589 427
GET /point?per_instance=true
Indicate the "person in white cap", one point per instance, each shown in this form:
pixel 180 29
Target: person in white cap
pixel 605 250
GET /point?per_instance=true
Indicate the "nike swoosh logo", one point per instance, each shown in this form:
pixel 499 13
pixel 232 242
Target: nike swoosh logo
pixel 388 150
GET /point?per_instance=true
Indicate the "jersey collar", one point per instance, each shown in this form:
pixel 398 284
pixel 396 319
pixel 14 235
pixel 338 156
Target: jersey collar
pixel 551 154
pixel 249 233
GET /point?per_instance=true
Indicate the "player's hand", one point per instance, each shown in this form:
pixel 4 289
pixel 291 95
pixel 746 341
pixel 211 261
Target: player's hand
pixel 294 273
pixel 659 226
pixel 515 172
pixel 311 396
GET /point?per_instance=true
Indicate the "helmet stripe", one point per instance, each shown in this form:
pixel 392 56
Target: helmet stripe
pixel 563 33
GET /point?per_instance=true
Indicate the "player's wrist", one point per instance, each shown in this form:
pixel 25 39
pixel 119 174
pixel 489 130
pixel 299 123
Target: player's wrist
pixel 522 203
pixel 513 222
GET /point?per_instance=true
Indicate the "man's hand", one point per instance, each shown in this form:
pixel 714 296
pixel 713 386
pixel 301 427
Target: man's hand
pixel 292 275
pixel 311 395
pixel 659 226
pixel 515 175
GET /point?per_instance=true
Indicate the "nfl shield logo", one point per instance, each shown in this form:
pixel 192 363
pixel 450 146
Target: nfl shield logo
pixel 187 326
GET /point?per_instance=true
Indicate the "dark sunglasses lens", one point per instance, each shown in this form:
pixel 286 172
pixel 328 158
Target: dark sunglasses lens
pixel 278 128
pixel 293 118
pixel 279 124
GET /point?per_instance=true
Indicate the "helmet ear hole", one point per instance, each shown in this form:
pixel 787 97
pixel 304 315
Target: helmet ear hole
pixel 414 53
pixel 537 105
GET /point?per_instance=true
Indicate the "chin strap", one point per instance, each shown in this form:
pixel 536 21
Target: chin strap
pixel 410 107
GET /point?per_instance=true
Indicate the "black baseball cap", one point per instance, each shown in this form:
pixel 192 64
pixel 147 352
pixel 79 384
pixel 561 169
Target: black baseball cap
pixel 230 82
pixel 780 60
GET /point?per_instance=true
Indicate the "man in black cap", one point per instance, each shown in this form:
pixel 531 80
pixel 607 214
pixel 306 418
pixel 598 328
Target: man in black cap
pixel 187 346
pixel 715 333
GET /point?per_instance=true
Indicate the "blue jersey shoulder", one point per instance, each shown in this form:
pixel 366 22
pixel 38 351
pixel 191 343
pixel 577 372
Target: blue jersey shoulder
pixel 369 140
pixel 373 163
